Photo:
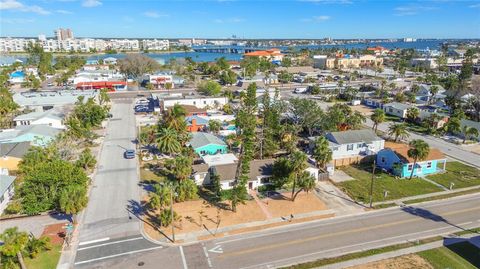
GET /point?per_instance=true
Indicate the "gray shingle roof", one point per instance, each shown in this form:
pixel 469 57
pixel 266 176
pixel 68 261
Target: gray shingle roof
pixel 16 150
pixel 51 98
pixel 257 168
pixel 5 182
pixel 37 130
pixel 52 114
pixel 353 136
pixel 397 105
pixel 201 139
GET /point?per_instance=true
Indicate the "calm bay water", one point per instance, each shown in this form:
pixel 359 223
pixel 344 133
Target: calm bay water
pixel 210 57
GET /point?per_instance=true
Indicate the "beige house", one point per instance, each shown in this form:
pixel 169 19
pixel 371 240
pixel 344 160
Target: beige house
pixel 353 62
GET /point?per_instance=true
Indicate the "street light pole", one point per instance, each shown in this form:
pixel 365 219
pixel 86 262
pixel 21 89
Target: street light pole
pixel 371 184
pixel 171 214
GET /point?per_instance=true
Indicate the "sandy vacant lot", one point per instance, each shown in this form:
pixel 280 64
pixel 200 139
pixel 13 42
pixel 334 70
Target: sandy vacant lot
pixel 199 215
pixel 279 206
pixel 408 261
pixel 367 111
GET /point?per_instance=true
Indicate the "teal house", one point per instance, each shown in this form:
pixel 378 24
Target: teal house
pixel 395 160
pixel 207 144
pixel 38 135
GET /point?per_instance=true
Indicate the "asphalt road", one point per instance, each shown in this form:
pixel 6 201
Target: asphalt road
pixel 114 188
pixel 294 243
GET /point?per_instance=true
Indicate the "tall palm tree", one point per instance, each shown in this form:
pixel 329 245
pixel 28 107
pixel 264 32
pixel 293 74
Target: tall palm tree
pixel 175 118
pixel 469 132
pixel 14 243
pixel 377 117
pixel 398 130
pixel 419 151
pixel 433 91
pixel 322 153
pixel 413 113
pixel 298 163
pixel 167 141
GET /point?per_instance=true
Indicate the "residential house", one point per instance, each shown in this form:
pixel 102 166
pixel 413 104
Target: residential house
pixel 194 111
pixel 260 173
pixel 437 119
pixel 394 159
pixel 273 55
pixel 207 144
pixel 6 190
pixel 424 96
pixel 110 60
pixel 471 123
pixel 352 146
pixel 12 153
pixel 39 135
pixel 397 109
pixel 52 117
pixel 195 123
pixel 192 100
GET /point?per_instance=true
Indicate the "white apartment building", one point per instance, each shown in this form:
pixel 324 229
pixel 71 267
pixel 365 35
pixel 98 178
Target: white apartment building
pixel 154 44
pixel 14 44
pixel 124 44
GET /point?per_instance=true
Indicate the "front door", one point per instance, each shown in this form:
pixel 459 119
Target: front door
pixel 250 185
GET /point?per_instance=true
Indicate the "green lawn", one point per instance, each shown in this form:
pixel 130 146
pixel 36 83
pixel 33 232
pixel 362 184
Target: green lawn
pixel 148 175
pixel 359 188
pixel 460 174
pixel 45 260
pixel 461 255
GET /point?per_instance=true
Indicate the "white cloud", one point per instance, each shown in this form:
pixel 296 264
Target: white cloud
pixel 91 3
pixel 154 14
pixel 18 6
pixel 475 6
pixel 16 21
pixel 411 10
pixel 320 18
pixel 229 20
pixel 61 11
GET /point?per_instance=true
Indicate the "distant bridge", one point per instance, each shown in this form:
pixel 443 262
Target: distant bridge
pixel 225 49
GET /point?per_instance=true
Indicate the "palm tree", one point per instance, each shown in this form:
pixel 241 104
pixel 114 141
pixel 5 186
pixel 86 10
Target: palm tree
pixel 413 113
pixel 14 243
pixel 298 163
pixel 167 141
pixel 180 167
pixel 377 117
pixel 419 151
pixel 469 132
pixel 433 91
pixel 214 126
pixel 322 153
pixel 453 125
pixel 175 118
pixel 398 131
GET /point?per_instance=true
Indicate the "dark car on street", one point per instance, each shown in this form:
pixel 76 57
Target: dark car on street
pixel 129 154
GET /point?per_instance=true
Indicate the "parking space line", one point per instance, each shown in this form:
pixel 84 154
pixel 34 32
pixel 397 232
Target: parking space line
pixel 117 255
pixel 184 261
pixel 110 243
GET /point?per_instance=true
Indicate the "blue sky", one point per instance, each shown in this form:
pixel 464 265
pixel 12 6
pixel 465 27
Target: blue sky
pixel 243 18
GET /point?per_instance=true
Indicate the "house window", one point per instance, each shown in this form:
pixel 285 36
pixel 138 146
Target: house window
pixel 194 102
pixel 390 109
pixel 410 167
pixel 429 165
pixel 383 159
pixel 204 102
pixel 349 147
pixel 335 149
pixel 360 145
pixel 231 183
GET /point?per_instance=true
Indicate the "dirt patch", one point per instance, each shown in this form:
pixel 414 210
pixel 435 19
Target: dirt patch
pixel 473 148
pixel 365 110
pixel 281 205
pixel 408 261
pixel 56 232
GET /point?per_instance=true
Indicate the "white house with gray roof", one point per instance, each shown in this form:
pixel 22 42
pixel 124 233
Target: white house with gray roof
pixel 397 109
pixel 52 117
pixel 351 146
pixel 6 190
pixel 39 135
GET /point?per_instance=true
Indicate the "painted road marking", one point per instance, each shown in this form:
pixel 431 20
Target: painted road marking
pixel 216 249
pixel 117 255
pixel 299 241
pixel 208 258
pixel 183 258
pixel 110 243
pixel 349 246
pixel 94 241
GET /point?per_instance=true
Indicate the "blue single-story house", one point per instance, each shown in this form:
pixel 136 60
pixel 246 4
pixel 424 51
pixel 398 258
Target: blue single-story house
pixel 207 144
pixel 394 159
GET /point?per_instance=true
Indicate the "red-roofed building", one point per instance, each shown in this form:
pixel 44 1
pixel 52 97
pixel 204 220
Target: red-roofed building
pixel 271 54
pixel 379 50
pixel 96 85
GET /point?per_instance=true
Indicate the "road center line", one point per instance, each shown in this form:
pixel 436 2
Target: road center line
pixel 111 243
pixel 117 255
pixel 300 241
pixel 183 258
pixel 94 241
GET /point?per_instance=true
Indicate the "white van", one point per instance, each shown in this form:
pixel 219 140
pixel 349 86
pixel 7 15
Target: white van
pixel 300 90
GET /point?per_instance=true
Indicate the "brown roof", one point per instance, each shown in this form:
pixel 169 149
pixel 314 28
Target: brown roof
pixel 402 149
pixel 200 168
pixel 192 109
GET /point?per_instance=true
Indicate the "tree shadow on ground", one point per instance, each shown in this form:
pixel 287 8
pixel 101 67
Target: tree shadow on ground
pixel 147 186
pixel 137 210
pixel 212 199
pixel 427 214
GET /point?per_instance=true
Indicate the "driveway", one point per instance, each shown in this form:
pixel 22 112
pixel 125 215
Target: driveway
pixel 114 188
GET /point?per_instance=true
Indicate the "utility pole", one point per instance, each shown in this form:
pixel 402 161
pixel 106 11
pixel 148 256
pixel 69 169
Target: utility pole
pixel 371 183
pixel 171 214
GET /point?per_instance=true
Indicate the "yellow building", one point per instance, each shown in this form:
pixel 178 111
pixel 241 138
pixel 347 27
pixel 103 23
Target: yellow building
pixel 353 62
pixel 12 153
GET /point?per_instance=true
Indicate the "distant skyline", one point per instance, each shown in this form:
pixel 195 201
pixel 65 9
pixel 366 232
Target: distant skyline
pixel 312 19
